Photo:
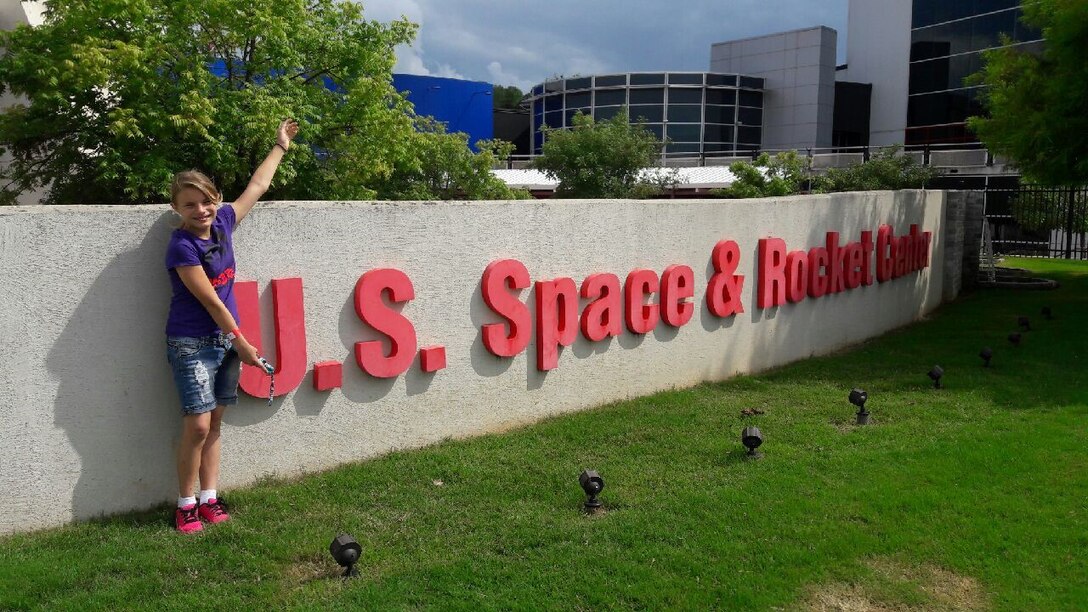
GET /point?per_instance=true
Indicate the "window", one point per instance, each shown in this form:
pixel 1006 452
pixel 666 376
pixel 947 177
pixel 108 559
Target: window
pixel 684 133
pixel 606 113
pixel 649 113
pixel 749 135
pixel 680 78
pixel 582 83
pixel 751 98
pixel 729 80
pixel 648 79
pixel 685 113
pixel 647 96
pixel 750 116
pixel 579 100
pixel 720 114
pixel 612 80
pixel 685 95
pixel 553 103
pixel 717 133
pixel 608 97
pixel 721 96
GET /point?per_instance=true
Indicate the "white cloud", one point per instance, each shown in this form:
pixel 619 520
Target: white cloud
pixel 500 76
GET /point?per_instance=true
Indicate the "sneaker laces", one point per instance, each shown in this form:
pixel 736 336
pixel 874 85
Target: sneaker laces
pixel 188 515
pixel 217 507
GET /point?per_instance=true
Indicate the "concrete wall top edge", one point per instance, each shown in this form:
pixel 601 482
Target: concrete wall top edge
pixel 317 204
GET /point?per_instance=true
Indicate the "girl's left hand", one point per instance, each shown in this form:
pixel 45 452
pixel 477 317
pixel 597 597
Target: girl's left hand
pixel 286 133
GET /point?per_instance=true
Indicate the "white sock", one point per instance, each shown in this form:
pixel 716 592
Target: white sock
pixel 206 494
pixel 186 501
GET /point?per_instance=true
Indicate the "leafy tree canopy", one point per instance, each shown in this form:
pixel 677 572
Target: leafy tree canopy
pixel 120 94
pixel 506 96
pixel 765 177
pixel 599 159
pixel 888 168
pixel 1038 104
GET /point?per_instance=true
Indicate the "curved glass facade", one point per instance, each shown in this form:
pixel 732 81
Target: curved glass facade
pixel 698 112
pixel 947 39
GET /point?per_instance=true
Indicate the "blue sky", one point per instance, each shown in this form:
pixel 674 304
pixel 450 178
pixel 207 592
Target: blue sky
pixel 522 42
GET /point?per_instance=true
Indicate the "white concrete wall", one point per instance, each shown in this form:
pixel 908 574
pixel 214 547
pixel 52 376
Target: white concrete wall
pixel 799 72
pixel 91 418
pixel 878 52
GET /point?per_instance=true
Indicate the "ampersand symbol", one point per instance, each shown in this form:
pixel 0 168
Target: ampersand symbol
pixel 723 294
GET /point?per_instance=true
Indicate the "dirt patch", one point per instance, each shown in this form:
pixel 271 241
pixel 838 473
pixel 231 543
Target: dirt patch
pixel 310 568
pixel 901 587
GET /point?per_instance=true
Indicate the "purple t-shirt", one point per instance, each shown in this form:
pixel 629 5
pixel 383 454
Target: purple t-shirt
pixel 188 317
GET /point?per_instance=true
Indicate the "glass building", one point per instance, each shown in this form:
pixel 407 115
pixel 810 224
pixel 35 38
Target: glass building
pixel 698 112
pixel 946 42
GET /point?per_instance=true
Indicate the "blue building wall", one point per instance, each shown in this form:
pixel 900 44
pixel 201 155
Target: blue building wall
pixel 464 106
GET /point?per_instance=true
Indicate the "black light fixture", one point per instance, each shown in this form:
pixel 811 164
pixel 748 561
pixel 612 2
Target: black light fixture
pixel 1047 314
pixel 346 551
pixel 592 484
pixel 752 439
pixel 986 354
pixel 858 397
pixel 935 374
pixel 1024 323
pixel 1015 339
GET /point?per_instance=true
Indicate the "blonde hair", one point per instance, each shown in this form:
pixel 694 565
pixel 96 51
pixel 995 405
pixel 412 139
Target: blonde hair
pixel 197 180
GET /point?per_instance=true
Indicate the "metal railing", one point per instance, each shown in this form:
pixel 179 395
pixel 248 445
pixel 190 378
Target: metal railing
pixel 952 156
pixel 1036 221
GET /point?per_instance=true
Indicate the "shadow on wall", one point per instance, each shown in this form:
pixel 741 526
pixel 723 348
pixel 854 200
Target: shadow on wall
pixel 120 413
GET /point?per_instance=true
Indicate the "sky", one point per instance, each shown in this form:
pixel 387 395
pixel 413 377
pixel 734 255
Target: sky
pixel 524 42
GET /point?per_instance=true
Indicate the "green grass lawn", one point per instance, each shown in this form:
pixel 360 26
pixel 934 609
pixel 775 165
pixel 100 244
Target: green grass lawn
pixel 973 497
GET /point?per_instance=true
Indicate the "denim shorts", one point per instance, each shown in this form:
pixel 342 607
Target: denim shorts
pixel 206 371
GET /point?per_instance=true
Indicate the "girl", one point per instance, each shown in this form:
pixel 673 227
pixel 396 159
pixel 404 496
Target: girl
pixel 203 343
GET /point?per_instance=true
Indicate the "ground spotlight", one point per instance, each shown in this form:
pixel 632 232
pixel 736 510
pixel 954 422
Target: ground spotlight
pixel 1015 339
pixel 858 397
pixel 1024 323
pixel 592 484
pixel 935 375
pixel 1047 314
pixel 345 550
pixel 986 354
pixel 752 439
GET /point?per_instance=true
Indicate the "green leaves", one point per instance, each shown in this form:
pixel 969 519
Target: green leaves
pixel 120 94
pixel 1038 103
pixel 598 159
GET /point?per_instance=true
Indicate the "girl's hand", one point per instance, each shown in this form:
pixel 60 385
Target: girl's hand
pixel 247 352
pixel 286 133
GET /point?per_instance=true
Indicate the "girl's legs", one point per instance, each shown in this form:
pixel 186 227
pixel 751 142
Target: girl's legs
pixel 195 430
pixel 209 454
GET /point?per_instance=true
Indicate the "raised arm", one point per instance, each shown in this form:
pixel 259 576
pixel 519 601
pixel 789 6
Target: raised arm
pixel 262 177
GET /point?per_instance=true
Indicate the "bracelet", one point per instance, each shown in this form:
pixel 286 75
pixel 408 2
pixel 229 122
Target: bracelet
pixel 234 334
pixel 282 147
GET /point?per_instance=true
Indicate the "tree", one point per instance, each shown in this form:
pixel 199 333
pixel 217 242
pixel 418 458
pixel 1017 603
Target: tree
pixel 450 170
pixel 1038 103
pixel 120 94
pixel 781 175
pixel 508 97
pixel 598 159
pixel 885 169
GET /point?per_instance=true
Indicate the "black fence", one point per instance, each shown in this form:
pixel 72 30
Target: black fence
pixel 1035 221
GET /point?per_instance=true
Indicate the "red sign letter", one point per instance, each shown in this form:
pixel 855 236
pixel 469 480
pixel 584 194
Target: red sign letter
pixel 601 318
pixel 772 272
pixel 290 326
pixel 677 284
pixel 500 277
pixel 556 313
pixel 724 292
pixel 641 317
pixel 370 355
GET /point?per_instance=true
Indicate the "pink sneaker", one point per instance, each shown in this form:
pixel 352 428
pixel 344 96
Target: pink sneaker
pixel 215 511
pixel 187 519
